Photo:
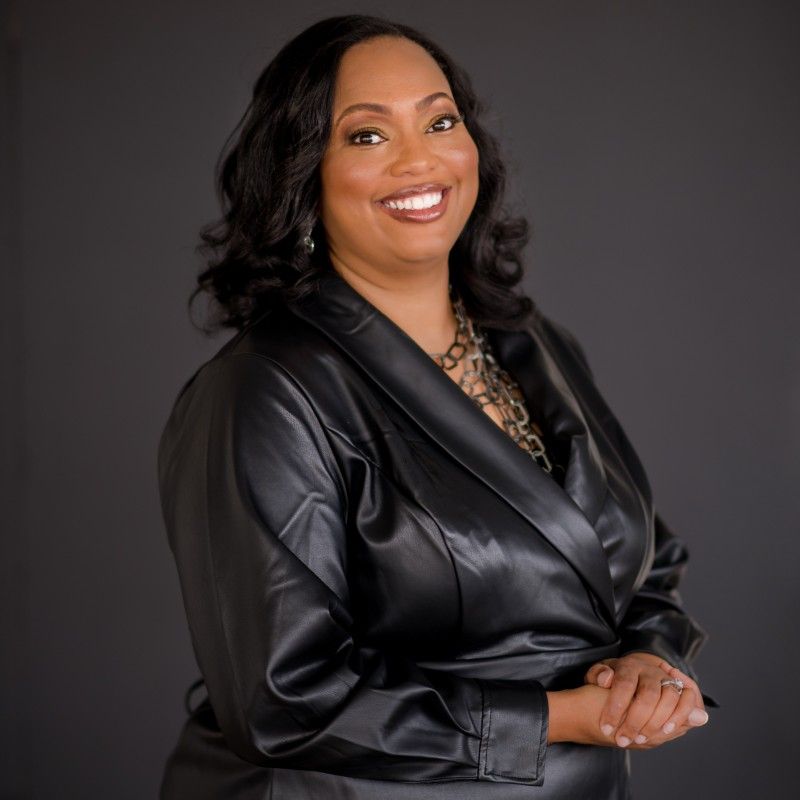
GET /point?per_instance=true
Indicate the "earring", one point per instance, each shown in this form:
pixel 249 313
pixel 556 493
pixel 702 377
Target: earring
pixel 308 241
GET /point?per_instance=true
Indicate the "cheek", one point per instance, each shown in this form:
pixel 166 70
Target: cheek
pixel 351 181
pixel 463 163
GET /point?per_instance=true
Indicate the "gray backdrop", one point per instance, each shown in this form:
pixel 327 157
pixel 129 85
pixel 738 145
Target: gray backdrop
pixel 654 147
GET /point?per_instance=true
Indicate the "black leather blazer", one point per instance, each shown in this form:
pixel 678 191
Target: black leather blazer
pixel 380 584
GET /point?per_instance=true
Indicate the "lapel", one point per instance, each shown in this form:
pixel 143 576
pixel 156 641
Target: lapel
pixel 527 357
pixel 394 361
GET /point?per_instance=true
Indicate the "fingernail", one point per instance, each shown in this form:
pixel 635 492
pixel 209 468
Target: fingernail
pixel 603 675
pixel 669 727
pixel 640 739
pixel 698 717
pixel 607 729
pixel 623 741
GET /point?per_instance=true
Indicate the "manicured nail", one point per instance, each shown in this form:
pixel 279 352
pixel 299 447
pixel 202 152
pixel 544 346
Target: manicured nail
pixel 607 729
pixel 640 739
pixel 698 717
pixel 669 727
pixel 623 741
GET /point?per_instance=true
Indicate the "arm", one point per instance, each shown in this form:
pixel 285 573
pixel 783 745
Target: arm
pixel 256 511
pixel 655 621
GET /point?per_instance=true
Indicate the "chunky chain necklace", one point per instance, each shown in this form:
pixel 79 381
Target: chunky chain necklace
pixel 500 389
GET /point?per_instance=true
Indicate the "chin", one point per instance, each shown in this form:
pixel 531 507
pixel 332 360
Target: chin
pixel 420 247
pixel 422 255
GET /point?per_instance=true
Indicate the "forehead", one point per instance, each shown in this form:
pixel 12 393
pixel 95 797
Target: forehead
pixel 384 69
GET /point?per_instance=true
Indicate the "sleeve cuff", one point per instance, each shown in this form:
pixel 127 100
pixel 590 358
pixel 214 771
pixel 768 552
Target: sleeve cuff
pixel 514 726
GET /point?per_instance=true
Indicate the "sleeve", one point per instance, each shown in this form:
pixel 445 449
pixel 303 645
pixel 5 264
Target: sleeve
pixel 655 621
pixel 256 508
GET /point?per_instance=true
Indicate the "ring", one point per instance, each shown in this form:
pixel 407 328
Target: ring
pixel 676 682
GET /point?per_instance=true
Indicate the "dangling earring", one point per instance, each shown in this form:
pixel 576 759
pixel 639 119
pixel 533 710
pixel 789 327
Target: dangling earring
pixel 308 241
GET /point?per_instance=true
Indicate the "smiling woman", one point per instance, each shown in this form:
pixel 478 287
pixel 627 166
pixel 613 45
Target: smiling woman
pixel 419 556
pixel 399 180
pixel 332 111
pixel 410 159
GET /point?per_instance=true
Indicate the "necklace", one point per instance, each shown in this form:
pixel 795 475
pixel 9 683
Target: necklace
pixel 500 389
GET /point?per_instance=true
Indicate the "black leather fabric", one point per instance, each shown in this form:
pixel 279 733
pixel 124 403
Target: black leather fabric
pixel 381 585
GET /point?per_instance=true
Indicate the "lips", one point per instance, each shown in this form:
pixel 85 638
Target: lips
pixel 410 191
pixel 420 215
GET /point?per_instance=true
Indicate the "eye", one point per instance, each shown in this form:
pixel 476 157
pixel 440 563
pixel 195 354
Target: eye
pixel 362 132
pixel 453 119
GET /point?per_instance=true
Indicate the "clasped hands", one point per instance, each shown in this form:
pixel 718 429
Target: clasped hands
pixel 623 703
pixel 635 710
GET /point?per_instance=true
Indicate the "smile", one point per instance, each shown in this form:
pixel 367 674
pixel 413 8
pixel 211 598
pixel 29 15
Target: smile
pixel 425 207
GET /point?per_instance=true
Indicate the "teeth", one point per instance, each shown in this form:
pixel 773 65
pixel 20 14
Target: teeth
pixel 416 202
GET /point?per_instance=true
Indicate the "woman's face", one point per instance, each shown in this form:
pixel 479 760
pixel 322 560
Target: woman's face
pixel 372 153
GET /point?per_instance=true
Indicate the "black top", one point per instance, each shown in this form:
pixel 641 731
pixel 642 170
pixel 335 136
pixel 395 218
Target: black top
pixel 381 586
pixel 557 450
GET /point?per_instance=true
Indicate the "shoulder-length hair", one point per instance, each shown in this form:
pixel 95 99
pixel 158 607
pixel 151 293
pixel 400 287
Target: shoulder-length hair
pixel 268 184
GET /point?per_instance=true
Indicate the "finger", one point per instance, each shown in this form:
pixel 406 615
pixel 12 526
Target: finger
pixel 667 703
pixel 697 714
pixel 626 682
pixel 644 703
pixel 690 710
pixel 691 685
pixel 658 740
pixel 606 678
pixel 600 673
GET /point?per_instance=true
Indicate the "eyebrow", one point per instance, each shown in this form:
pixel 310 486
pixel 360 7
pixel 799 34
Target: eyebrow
pixel 420 105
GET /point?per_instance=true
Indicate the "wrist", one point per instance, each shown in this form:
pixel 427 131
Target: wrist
pixel 562 723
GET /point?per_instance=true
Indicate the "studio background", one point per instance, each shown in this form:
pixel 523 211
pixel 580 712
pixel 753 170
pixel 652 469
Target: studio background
pixel 654 148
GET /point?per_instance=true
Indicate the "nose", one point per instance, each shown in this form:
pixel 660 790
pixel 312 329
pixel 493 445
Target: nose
pixel 414 155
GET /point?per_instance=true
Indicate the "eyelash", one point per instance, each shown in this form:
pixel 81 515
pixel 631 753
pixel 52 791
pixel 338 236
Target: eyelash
pixel 455 118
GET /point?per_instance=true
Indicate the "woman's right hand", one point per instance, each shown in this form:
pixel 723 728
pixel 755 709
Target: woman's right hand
pixel 574 716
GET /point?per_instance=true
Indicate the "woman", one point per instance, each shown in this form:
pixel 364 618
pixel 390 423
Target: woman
pixel 418 555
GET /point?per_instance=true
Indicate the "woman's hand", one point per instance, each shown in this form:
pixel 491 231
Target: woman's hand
pixel 638 711
pixel 574 716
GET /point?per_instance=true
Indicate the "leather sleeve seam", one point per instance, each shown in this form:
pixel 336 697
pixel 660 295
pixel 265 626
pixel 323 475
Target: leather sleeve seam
pixel 484 742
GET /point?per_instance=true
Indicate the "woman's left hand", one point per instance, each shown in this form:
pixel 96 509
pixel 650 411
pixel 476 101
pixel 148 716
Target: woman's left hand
pixel 638 707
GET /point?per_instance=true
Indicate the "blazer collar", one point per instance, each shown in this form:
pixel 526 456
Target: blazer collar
pixel 393 360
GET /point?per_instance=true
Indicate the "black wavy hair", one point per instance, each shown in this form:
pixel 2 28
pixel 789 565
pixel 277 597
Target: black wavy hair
pixel 268 185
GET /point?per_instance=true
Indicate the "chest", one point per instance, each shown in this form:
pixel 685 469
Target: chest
pixel 456 540
pixel 442 564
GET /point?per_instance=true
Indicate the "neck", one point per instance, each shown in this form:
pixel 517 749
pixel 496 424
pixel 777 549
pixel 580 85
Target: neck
pixel 419 305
